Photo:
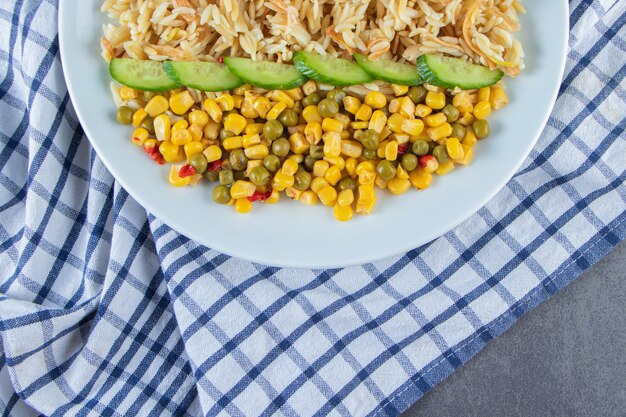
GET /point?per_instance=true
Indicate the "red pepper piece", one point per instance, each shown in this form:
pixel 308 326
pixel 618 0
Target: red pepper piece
pixel 260 196
pixel 214 166
pixel 186 171
pixel 220 60
pixel 424 160
pixel 155 155
pixel 402 149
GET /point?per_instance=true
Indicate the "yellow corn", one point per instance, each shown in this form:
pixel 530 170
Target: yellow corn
pixel 359 125
pixel 281 97
pixel 311 114
pixel 407 107
pixel 332 175
pixel 399 90
pixel 181 102
pixel 139 136
pixel 454 148
pixel 262 105
pixel 468 153
pixel 171 153
pixel 435 120
pixel 213 110
pixel 498 98
pixel 243 205
pixel 343 213
pixel 482 110
pixel 295 93
pixel 313 133
pixel 401 172
pixel 363 113
pixel 328 196
pixel 150 144
pixel 332 143
pixel 293 193
pixel 212 130
pixel 345 134
pixel 237 100
pixel 253 129
pixel 378 121
pixel 422 110
pixel 162 127
pixel 282 181
pixel 127 93
pixel 394 105
pixel 380 183
pixel 157 105
pixel 235 123
pixel 331 125
pixel 343 119
pixel 366 199
pixel 250 140
pixel 375 99
pixel 251 164
pixel 484 94
pixel 242 189
pixel 320 167
pixel 276 110
pixel 380 152
pixel 412 127
pixel 398 185
pixel 445 168
pixel 441 132
pixel 463 102
pixel 470 138
pixel 351 148
pixel 351 164
pixel 290 167
pixel 435 101
pixel 391 151
pixel 385 133
pixel 247 109
pixel 309 87
pixel 318 183
pixel 212 153
pixel 309 198
pixel 192 148
pixel 138 117
pixel 181 137
pixel 365 166
pixel 175 179
pixel 345 197
pixel 351 104
pixel 367 178
pixel 257 152
pixel 337 161
pixel 181 124
pixel 225 102
pixel 298 143
pixel 199 118
pixel 420 179
pixel 273 199
pixel 232 143
pixel 394 122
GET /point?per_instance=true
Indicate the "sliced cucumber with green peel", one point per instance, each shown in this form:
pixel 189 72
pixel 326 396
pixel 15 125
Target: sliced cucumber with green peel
pixel 329 70
pixel 390 71
pixel 265 74
pixel 454 72
pixel 204 76
pixel 141 75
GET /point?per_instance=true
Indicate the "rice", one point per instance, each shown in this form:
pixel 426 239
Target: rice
pixel 481 31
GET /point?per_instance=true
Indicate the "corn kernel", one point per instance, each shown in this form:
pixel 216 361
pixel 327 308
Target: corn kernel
pixel 331 125
pixel 337 161
pixel 435 101
pixel 351 104
pixel 181 124
pixel 170 152
pixel 162 128
pixel 412 127
pixel 199 118
pixel 364 112
pixel 309 198
pixel 420 178
pixel 378 121
pixel 484 94
pixel 391 151
pixel 328 196
pixel 398 185
pixel 367 178
pixel 237 100
pixel 192 148
pixel 298 143
pixel 243 205
pixel 242 189
pixel 351 164
pixel 180 103
pixel 212 130
pixel 276 110
pixel 394 105
pixel 429 163
pixel 468 153
pixel 332 175
pixel 366 199
pixel 394 122
pixel 150 144
pixel 401 172
pixel 212 153
pixel 435 120
pixel 235 123
pixel 407 107
pixel 345 197
pixel 309 87
pixel 290 167
pixel 454 148
pixel 213 110
pixel 422 110
pixel 482 110
pixel 127 93
pixel 365 166
pixel 385 133
pixel 445 168
pixel 175 179
pixel 343 119
pixel 313 132
pixel 466 119
pixel 253 129
pixel 139 136
pixel 359 125
pixel 470 138
pixel 247 109
pixel 399 90
pixel 257 152
pixel 380 183
pixel 311 114
pixel 463 102
pixel 282 181
pixel 157 105
pixel 320 167
pixel 251 140
pixel 343 213
pixel 376 99
pixel 318 183
pixel 281 97
pixel 181 137
pixel 232 143
pixel 261 105
pixel 441 132
pixel 293 193
pixel 332 143
pixel 498 98
pixel 225 102
pixel 138 117
pixel 351 148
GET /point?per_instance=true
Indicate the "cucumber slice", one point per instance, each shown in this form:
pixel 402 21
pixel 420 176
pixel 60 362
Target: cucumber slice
pixel 141 75
pixel 265 74
pixel 390 71
pixel 326 69
pixel 454 72
pixel 204 76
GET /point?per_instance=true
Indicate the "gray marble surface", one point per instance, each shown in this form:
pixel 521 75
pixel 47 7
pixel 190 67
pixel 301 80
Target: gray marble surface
pixel 565 358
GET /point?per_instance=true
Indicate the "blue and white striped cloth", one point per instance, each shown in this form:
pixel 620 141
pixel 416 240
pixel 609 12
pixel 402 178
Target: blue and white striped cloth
pixel 105 311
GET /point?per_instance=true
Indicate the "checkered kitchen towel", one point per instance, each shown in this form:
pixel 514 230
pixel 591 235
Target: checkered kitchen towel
pixel 104 310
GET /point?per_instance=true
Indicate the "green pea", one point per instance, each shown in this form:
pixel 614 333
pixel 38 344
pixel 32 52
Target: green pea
pixel 224 134
pixel 347 184
pixel 239 175
pixel 271 163
pixel 451 112
pixel 370 139
pixel 441 154
pixel 369 154
pixel 280 147
pixel 288 118
pixel 302 180
pixel 211 176
pixel 481 128
pixel 309 162
pixel 125 115
pixel 148 124
pixel 259 176
pixel 328 107
pixel 417 94
pixel 386 170
pixel 312 99
pixel 272 129
pixel 226 177
pixel 458 131
pixel 221 194
pixel 337 94
pixel 238 159
pixel 316 151
pixel 409 162
pixel 199 162
pixel 420 147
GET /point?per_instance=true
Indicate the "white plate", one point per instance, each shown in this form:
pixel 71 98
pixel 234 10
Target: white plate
pixel 290 234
